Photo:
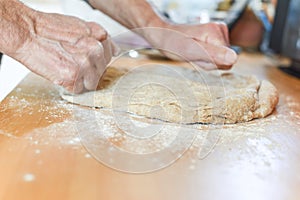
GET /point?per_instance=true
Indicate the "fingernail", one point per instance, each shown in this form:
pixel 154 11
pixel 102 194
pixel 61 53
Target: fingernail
pixel 230 57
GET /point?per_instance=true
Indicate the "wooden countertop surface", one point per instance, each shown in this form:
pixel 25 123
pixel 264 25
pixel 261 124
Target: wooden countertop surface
pixel 42 157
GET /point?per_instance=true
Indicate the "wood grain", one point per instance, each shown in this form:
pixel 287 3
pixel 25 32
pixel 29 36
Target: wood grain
pixel 41 156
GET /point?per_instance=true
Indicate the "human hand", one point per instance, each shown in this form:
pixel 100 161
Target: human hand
pixel 66 50
pixel 205 45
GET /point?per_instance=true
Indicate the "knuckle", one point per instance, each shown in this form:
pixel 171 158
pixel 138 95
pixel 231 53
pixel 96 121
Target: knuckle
pixel 102 33
pixel 68 79
pixel 97 31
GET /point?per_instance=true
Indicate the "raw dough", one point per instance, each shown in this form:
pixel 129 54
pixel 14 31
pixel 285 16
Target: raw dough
pixel 181 95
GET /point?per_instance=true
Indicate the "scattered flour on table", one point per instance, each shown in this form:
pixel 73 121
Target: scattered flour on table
pixel 66 134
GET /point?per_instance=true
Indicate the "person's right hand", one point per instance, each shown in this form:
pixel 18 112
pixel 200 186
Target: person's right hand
pixel 68 51
pixel 65 50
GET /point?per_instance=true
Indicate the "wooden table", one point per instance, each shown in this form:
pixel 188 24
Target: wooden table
pixel 41 156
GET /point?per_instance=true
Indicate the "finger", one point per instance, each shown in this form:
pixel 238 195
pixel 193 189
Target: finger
pixel 97 32
pixel 109 50
pixel 188 49
pixel 87 60
pixel 211 66
pixel 224 30
pixel 90 56
pixel 100 62
pixel 74 87
pixel 91 78
pixel 222 56
pixel 89 75
pixel 205 65
pixel 116 49
pixel 97 58
pixel 219 55
pixel 216 34
pixel 78 86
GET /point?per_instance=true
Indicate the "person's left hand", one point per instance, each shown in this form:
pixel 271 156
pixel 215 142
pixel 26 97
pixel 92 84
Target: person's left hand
pixel 205 45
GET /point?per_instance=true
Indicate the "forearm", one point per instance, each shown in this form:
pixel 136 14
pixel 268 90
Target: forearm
pixel 130 13
pixel 16 21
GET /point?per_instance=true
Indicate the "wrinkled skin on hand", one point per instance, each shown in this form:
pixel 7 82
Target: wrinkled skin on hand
pixel 205 45
pixel 65 50
pixel 68 51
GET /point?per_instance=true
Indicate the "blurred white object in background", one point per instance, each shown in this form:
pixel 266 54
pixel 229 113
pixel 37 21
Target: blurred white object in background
pixel 44 5
pixel 80 9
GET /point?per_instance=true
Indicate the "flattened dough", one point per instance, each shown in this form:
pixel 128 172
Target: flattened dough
pixel 181 95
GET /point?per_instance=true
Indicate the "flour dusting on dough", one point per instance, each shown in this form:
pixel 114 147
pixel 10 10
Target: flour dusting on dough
pixel 181 95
